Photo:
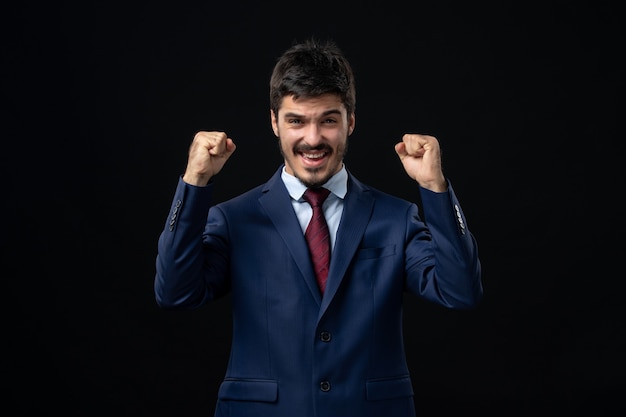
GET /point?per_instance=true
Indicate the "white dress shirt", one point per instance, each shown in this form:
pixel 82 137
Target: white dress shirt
pixel 333 206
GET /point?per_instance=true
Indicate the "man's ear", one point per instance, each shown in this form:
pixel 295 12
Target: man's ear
pixel 351 124
pixel 274 122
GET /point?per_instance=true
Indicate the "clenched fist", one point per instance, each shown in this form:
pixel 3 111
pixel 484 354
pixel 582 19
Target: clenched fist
pixel 207 155
pixel 421 158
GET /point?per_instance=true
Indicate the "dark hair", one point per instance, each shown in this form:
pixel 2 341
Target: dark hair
pixel 310 69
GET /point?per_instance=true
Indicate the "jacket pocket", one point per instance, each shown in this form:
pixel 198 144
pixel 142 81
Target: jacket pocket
pixel 387 388
pixel 248 390
pixel 372 253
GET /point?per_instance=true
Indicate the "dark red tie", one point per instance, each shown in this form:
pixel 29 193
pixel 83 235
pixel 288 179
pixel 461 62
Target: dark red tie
pixel 317 235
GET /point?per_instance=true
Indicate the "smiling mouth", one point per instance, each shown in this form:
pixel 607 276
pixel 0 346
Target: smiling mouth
pixel 313 155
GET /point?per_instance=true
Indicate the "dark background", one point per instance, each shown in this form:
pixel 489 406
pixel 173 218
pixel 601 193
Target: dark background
pixel 101 101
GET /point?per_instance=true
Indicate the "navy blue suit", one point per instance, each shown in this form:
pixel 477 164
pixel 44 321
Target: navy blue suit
pixel 295 353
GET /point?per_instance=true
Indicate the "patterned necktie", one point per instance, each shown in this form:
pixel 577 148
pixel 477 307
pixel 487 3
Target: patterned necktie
pixel 317 235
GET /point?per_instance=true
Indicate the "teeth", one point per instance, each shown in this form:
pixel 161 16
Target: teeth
pixel 313 155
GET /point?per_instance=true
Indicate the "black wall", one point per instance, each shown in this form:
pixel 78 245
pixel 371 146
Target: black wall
pixel 101 102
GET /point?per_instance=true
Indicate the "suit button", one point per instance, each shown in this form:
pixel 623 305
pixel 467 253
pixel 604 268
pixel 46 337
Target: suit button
pixel 325 386
pixel 325 336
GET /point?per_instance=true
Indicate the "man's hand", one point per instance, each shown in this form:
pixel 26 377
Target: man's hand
pixel 421 158
pixel 207 155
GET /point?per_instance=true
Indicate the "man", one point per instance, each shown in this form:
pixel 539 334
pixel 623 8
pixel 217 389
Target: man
pixel 299 349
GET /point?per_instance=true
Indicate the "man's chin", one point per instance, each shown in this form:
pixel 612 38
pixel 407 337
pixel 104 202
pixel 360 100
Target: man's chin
pixel 313 177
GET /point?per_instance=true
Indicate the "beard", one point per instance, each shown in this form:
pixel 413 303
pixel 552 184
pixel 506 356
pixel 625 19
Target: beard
pixel 317 176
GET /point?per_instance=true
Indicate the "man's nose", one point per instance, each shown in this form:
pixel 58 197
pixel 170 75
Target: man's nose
pixel 313 135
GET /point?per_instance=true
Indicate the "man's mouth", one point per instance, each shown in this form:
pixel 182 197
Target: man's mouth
pixel 313 155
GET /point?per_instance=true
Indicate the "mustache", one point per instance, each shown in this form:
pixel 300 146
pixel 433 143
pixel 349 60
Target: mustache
pixel 307 148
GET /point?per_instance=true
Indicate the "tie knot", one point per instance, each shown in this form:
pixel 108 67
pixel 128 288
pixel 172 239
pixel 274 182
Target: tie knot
pixel 316 196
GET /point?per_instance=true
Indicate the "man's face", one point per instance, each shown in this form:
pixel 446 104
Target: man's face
pixel 313 135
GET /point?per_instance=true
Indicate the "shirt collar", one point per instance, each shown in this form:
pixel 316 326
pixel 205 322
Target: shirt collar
pixel 337 184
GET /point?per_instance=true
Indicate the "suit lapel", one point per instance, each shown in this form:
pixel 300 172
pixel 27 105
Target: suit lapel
pixel 358 206
pixel 277 204
pixel 357 209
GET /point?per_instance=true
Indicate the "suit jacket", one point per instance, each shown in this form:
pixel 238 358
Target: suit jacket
pixel 294 352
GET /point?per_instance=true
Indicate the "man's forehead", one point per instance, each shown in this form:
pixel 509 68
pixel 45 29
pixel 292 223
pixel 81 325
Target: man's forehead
pixel 312 106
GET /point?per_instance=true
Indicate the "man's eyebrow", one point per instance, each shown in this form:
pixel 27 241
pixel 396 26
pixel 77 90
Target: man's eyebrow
pixel 326 113
pixel 291 114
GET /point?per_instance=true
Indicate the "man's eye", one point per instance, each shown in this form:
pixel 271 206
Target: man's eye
pixel 330 121
pixel 294 121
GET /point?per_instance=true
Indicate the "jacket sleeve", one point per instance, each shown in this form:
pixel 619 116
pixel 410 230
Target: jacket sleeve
pixel 451 274
pixel 188 275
